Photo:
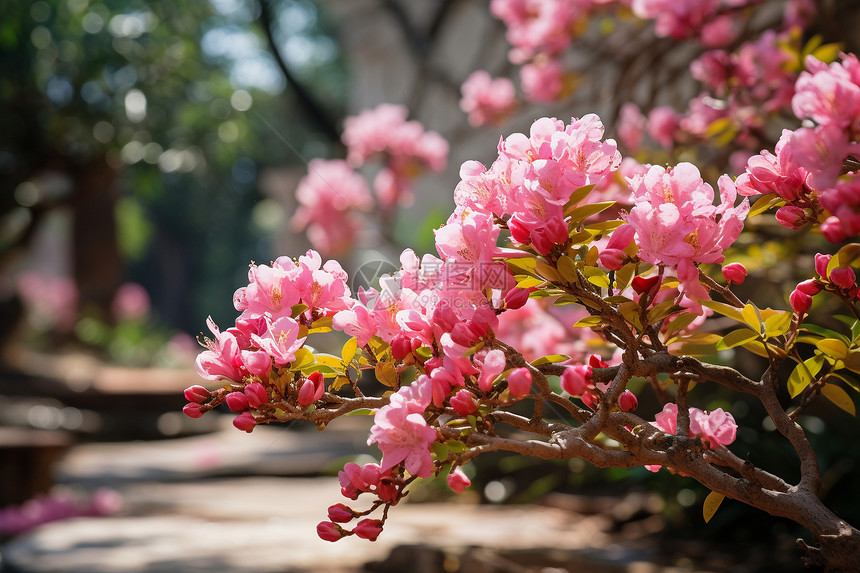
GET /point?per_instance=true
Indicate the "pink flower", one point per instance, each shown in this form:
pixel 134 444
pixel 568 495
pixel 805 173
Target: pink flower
pixel 328 197
pixel 487 100
pixel 401 431
pixel 542 82
pixel 631 126
pixel 131 302
pixel 493 365
pixel 576 379
pixel 468 242
pixel 735 273
pixel 717 428
pixel 457 480
pixel 827 94
pixel 520 382
pixel 667 418
pixel 663 121
pixel 223 359
pixel 280 340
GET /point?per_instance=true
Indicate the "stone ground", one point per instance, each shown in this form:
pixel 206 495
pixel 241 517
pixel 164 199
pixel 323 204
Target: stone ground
pixel 191 504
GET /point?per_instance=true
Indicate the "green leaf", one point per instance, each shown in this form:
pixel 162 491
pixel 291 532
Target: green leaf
pixel 662 310
pixel 764 203
pixel 521 265
pixel 680 322
pixel 585 211
pixel 725 310
pixel 752 316
pixel 778 324
pixel 361 412
pixel 839 397
pixel 696 344
pixel 737 338
pixel 348 351
pixel 833 347
pixel 604 226
pixel 624 276
pixel 711 505
pixel 579 195
pixel 803 374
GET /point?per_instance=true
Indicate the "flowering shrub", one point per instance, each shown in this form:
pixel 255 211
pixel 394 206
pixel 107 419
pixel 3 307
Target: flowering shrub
pixel 560 220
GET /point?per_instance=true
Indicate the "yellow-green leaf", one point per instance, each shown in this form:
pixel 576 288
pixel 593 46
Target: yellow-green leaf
pixel 339 383
pixel 778 324
pixel 662 310
pixel 297 309
pixel 585 211
pixel 696 344
pixel 833 347
pixel 737 338
pixel 521 265
pixel 550 359
pixel 304 358
pixel 764 203
pixel 803 374
pixel 751 316
pixel 711 505
pixel 724 309
pixel 332 362
pixel 604 226
pixel 839 397
pixel 528 282
pixel 852 361
pixel 624 276
pixel 680 322
pixel 547 271
pixel 596 276
pixel 579 194
pixel 348 351
pixel 589 321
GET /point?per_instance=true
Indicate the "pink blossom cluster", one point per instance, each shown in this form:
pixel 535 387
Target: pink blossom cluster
pixel 715 429
pixel 661 124
pixel 52 301
pixel 487 100
pixel 277 302
pixel 805 170
pixel 404 147
pixel 56 506
pixel 676 223
pixel 329 197
pixel 680 19
pixel 535 175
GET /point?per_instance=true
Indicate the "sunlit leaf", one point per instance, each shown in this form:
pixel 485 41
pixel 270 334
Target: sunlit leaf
pixel 711 505
pixel 803 374
pixel 348 351
pixel 737 338
pixel 833 347
pixel 778 324
pixel 550 359
pixel 839 397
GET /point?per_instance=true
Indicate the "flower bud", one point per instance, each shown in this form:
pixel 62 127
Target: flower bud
pixel 197 394
pixel 457 480
pixel 644 285
pixel 329 531
pixel 520 382
pixel 621 237
pixel 256 394
pixel 843 277
pixel 821 262
pixel 517 297
pixel 245 422
pixel 735 273
pixel 192 410
pixel 627 401
pixel 595 362
pixel 400 346
pixel 832 229
pixel 311 390
pixel 575 379
pixel 612 259
pixel 340 513
pixel 809 287
pixel 368 529
pixel 800 301
pixel 519 232
pixel 791 216
pixel 237 401
pixel 464 403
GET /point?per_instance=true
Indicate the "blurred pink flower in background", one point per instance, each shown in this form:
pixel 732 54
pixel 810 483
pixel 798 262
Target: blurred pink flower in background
pixel 131 302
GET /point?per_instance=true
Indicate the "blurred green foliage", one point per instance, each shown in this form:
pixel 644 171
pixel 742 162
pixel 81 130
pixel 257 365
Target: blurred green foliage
pixel 183 104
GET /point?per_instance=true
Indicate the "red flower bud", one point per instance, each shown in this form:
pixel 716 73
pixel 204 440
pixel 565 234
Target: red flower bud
pixel 809 287
pixel 192 410
pixel 368 529
pixel 256 394
pixel 800 301
pixel 400 346
pixel 340 513
pixel 197 394
pixel 329 531
pixel 843 277
pixel 245 422
pixel 791 216
pixel 464 403
pixel 517 297
pixel 821 262
pixel 612 259
pixel 237 401
pixel 735 273
pixel 575 379
pixel 520 382
pixel 627 401
pixel 457 480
